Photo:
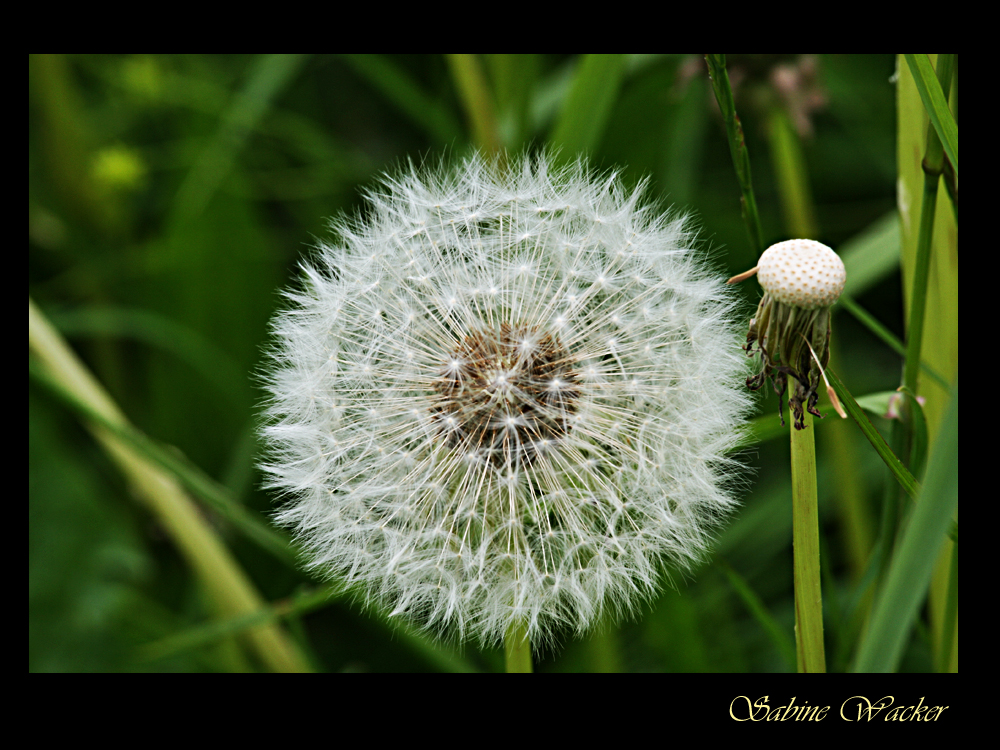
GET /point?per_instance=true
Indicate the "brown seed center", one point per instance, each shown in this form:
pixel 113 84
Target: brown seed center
pixel 506 396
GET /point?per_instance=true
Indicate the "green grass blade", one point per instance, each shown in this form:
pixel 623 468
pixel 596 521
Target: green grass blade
pixel 888 338
pixel 427 112
pixel 585 112
pixel 191 477
pixel 872 254
pixel 903 476
pixel 869 257
pixel 160 332
pixel 781 640
pixel 213 631
pixel 911 569
pixel 737 148
pixel 437 655
pixel 935 104
pixel 230 589
pixel 267 77
pixel 477 99
pixel 919 437
pixel 514 79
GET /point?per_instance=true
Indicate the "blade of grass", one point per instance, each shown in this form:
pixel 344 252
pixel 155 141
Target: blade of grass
pixel 871 255
pixel 514 78
pixel 427 112
pixel 932 165
pixel 477 99
pixel 936 103
pixel 778 636
pixel 267 76
pixel 950 618
pixel 903 476
pixel 230 589
pixel 587 107
pixel 211 632
pixel 155 330
pixel 912 566
pixel 738 149
pixel 920 158
pixel 438 655
pixel 791 174
pixel 887 337
pixel 190 476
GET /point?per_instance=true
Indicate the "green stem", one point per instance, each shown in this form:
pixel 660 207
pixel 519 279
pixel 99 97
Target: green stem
pixel 517 648
pixel 737 147
pixel 231 589
pixel 477 99
pixel 933 163
pixel 792 176
pixel 805 540
pixel 946 648
pixel 921 272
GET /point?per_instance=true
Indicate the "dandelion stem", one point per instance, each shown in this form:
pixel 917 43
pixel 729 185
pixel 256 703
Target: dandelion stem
pixel 805 541
pixel 517 648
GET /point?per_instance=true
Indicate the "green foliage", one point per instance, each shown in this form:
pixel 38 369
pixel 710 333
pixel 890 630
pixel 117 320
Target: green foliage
pixel 170 198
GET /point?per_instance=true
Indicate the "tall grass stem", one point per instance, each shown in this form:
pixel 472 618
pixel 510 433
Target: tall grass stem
pixel 231 591
pixel 738 149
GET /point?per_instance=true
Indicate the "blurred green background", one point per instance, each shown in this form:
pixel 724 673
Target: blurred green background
pixel 170 199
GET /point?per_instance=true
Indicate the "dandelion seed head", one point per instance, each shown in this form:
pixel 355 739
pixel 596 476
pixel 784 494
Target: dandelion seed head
pixel 505 395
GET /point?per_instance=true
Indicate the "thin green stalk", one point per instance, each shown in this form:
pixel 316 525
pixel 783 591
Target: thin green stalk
pixel 935 99
pixel 931 270
pixel 901 596
pixel 950 619
pixel 933 164
pixel 805 538
pixel 517 648
pixel 921 272
pixel 898 471
pixel 477 99
pixel 394 82
pixel 870 322
pixel 231 590
pixel 174 463
pixel 792 177
pixel 777 634
pixel 588 105
pixel 738 149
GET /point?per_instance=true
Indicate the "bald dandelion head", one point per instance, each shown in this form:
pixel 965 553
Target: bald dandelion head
pixel 505 396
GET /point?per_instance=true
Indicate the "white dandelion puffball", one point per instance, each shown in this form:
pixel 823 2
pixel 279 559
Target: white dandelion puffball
pixel 505 397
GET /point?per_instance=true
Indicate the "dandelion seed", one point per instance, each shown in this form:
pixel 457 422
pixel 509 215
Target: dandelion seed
pixel 536 384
